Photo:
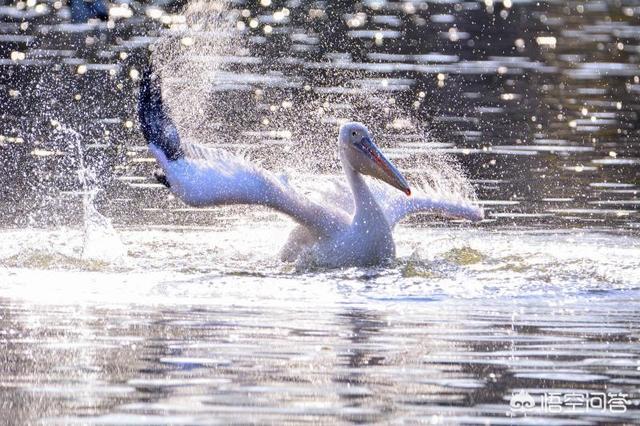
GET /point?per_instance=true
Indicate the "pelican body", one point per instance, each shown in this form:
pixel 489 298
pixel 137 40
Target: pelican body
pixel 354 232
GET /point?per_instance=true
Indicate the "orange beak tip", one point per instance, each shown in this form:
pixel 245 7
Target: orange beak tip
pixel 408 192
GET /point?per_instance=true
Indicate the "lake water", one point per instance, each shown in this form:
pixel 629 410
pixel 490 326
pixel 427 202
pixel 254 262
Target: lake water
pixel 199 326
pixel 188 316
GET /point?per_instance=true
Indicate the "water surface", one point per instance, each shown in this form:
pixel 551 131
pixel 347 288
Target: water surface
pixel 200 325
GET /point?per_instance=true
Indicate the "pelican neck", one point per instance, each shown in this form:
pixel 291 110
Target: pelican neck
pixel 366 207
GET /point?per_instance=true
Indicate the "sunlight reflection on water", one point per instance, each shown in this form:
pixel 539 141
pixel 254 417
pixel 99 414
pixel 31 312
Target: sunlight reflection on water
pixel 188 331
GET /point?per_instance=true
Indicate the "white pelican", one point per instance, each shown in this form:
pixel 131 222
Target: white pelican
pixel 356 233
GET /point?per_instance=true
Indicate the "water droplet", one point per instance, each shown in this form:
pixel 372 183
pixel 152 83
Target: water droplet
pixel 17 56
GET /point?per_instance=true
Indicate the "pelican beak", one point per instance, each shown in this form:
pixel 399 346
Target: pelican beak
pixel 383 169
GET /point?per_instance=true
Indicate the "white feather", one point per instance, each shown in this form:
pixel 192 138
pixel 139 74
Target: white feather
pixel 207 177
pixel 396 205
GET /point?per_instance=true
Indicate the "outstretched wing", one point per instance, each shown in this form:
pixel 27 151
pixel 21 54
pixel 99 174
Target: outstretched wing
pixel 202 176
pixel 397 206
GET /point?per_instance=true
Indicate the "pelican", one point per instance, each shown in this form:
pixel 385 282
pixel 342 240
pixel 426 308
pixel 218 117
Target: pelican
pixel 357 232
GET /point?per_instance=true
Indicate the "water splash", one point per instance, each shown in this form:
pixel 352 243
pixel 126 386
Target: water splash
pixel 442 176
pixel 220 91
pixel 188 56
pixel 100 240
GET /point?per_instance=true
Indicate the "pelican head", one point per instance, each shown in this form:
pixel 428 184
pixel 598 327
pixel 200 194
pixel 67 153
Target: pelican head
pixel 358 151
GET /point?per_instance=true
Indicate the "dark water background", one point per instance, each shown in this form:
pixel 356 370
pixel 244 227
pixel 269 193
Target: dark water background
pixel 537 100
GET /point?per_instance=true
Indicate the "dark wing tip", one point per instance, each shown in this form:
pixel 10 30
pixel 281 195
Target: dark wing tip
pixel 156 125
pixel 161 178
pixel 149 102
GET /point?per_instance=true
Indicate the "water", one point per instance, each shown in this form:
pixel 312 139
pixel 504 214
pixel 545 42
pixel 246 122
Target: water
pixel 200 325
pixel 536 100
pixel 100 241
pixel 183 316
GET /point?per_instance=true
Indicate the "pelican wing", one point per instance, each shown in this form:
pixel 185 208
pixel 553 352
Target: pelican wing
pixel 203 176
pixel 397 206
pixel 400 208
